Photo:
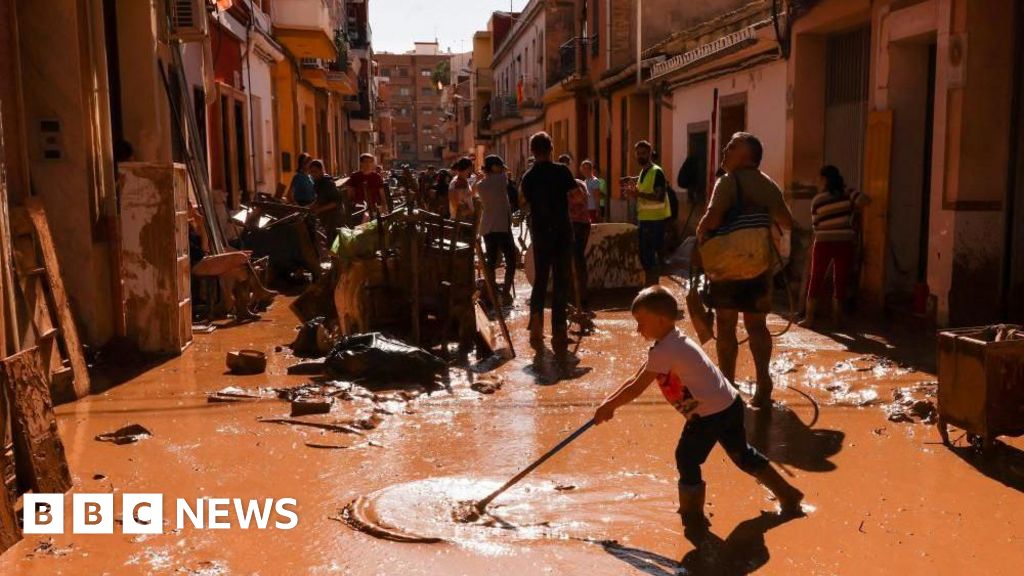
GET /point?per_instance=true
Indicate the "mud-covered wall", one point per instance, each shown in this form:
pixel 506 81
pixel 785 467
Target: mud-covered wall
pixel 68 149
pixel 966 243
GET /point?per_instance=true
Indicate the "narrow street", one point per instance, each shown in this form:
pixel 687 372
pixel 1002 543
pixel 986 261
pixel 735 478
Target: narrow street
pixel 884 497
pixel 512 287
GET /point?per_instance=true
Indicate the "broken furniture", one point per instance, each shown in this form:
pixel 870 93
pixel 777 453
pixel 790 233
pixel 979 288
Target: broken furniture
pixel 37 456
pixel 47 363
pixel 289 239
pixel 409 272
pixel 155 266
pixel 981 383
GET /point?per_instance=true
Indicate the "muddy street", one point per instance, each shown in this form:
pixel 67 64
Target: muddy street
pixel 883 497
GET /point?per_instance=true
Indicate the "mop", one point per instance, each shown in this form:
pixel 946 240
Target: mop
pixel 472 511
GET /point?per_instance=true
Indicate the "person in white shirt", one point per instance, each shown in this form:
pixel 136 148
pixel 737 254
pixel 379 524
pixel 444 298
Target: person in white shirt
pixel 691 383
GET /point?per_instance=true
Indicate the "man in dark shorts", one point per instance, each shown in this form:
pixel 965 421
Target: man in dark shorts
pixel 741 161
pixel 546 187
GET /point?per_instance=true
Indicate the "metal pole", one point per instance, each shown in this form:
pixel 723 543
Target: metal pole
pixel 639 40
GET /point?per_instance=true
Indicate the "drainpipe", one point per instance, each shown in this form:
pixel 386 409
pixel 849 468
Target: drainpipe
pixel 248 72
pixel 607 34
pixel 639 41
pixel 1016 126
pixel 608 158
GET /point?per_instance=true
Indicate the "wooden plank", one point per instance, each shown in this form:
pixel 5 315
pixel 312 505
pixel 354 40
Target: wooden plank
pixel 10 532
pixel 877 167
pixel 66 321
pixel 36 439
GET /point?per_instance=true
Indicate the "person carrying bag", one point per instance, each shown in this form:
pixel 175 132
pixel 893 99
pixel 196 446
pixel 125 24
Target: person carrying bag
pixel 741 248
pixel 737 255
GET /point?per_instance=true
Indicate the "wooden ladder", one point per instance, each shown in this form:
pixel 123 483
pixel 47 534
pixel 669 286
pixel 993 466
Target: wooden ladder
pixel 46 305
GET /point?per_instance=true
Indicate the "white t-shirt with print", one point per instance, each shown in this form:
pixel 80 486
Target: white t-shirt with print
pixel 688 379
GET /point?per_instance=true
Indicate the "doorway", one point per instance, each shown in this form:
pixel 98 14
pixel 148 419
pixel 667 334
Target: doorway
pixel 912 100
pixel 230 146
pixel 848 57
pixel 1013 270
pixel 694 172
pixel 732 116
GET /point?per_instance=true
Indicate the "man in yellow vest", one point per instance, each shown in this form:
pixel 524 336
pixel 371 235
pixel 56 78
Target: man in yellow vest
pixel 652 209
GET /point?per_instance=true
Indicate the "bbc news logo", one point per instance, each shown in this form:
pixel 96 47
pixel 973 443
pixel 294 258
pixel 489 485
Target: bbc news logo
pixel 144 514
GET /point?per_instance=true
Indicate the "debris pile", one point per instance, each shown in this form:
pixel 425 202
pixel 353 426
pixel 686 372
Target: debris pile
pixel 1002 333
pixel 487 384
pixel 314 340
pixel 376 357
pixel 913 404
pixel 129 434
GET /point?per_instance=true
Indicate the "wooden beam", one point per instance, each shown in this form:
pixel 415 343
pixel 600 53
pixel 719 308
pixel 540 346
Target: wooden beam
pixel 10 532
pixel 37 443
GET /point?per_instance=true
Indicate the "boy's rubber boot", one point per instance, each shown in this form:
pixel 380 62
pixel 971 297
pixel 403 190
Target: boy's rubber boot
pixel 691 509
pixel 788 496
pixel 537 332
pixel 808 321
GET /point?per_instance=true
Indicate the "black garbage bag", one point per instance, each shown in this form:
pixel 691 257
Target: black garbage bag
pixel 378 358
pixel 313 340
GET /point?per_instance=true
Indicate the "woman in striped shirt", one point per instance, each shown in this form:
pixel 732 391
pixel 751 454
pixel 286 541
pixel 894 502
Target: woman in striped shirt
pixel 833 214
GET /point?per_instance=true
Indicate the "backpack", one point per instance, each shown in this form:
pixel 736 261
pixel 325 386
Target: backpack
pixel 673 203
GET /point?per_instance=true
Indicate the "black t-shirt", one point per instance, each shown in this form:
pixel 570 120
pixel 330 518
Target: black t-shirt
pixel 546 187
pixel 326 190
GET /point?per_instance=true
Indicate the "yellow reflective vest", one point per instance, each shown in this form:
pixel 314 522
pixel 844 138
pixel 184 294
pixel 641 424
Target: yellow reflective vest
pixel 648 210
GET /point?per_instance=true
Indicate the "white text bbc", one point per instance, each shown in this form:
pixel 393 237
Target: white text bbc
pixel 144 513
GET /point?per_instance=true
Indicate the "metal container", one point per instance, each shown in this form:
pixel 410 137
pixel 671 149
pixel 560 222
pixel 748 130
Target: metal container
pixel 981 384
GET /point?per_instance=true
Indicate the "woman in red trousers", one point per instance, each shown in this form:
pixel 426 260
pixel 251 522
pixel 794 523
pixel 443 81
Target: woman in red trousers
pixel 833 218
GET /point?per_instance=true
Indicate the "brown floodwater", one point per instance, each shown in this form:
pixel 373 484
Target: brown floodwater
pixel 883 497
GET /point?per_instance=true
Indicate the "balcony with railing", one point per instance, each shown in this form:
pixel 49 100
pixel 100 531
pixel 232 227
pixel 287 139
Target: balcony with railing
pixel 360 35
pixel 532 95
pixel 480 118
pixel 304 27
pixel 365 110
pixel 483 79
pixel 572 60
pixel 503 106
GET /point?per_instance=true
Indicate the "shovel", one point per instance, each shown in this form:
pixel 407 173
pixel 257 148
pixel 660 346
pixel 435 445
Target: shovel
pixel 474 510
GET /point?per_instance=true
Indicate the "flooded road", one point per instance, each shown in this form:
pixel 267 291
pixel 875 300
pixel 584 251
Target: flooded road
pixel 884 497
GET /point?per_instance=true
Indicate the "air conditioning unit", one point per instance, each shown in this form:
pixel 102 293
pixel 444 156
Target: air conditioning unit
pixel 188 19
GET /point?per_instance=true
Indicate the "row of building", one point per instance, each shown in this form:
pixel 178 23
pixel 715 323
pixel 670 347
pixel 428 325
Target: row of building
pixel 222 95
pixel 918 102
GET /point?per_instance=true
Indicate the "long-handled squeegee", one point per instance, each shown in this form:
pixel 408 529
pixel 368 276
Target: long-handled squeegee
pixel 472 511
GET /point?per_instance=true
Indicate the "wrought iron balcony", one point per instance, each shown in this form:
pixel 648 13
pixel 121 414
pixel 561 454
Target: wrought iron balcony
pixel 572 59
pixel 484 79
pixel 503 106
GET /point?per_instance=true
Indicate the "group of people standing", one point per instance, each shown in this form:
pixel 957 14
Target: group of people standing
pixel 362 196
pixel 561 205
pixel 743 197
